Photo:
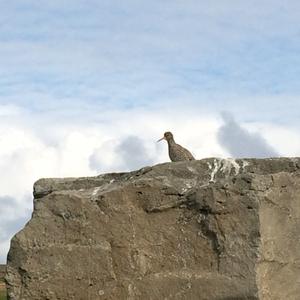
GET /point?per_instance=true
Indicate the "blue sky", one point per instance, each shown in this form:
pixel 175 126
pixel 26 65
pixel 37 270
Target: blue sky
pixel 135 53
pixel 92 81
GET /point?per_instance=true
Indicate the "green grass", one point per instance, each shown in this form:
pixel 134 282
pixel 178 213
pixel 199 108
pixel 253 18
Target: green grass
pixel 3 295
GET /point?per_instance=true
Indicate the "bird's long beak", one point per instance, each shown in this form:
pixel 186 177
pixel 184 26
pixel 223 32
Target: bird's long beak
pixel 163 138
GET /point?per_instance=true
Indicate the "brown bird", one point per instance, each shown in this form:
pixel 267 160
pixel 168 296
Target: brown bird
pixel 176 152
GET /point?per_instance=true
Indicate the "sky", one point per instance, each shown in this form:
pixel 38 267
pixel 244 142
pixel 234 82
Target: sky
pixel 88 87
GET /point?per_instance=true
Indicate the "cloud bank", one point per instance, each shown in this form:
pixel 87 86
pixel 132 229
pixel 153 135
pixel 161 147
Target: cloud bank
pixel 129 154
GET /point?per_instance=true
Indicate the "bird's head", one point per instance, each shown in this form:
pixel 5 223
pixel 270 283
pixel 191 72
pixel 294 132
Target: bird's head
pixel 167 136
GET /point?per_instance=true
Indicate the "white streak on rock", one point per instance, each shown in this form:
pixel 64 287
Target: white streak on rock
pixel 95 191
pixel 225 166
pixel 194 171
pixel 244 164
pixel 228 164
pixel 215 170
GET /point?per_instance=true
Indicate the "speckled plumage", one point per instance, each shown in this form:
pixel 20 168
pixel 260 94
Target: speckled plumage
pixel 177 152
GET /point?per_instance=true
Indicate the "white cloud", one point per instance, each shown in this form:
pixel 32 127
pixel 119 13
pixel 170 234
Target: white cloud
pixel 285 139
pixel 9 110
pixel 12 218
pixel 242 143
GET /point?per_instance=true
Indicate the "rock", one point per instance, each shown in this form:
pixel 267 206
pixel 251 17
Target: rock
pixel 210 229
pixel 2 283
pixel 2 272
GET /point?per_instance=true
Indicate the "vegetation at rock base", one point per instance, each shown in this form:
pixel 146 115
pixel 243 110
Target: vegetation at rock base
pixel 3 295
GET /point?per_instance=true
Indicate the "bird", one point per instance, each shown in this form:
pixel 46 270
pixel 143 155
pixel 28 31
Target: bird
pixel 176 152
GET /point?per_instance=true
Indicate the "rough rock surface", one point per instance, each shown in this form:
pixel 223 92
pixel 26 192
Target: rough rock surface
pixel 2 284
pixel 210 229
pixel 2 272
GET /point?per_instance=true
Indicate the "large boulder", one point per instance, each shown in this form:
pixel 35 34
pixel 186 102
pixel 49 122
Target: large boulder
pixel 210 229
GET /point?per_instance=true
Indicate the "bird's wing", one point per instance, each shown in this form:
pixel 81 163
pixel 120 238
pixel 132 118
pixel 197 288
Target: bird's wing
pixel 186 153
